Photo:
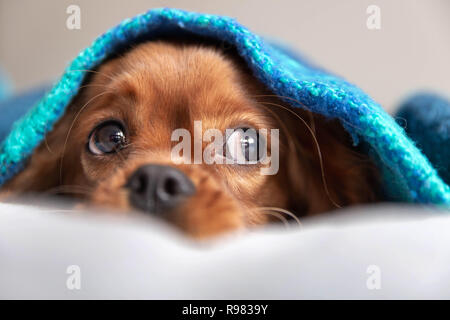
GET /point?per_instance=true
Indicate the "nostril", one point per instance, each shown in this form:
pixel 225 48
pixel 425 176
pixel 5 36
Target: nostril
pixel 171 187
pixel 139 183
pixel 168 190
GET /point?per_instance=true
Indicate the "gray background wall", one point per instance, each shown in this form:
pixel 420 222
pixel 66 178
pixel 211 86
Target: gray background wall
pixel 411 51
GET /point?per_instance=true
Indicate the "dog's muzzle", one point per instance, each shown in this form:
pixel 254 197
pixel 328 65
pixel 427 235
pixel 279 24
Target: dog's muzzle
pixel 157 189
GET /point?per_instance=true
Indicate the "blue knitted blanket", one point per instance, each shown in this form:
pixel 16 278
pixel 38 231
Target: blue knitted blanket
pixel 407 172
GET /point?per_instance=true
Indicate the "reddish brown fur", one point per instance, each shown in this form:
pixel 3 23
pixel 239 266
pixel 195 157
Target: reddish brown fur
pixel 161 86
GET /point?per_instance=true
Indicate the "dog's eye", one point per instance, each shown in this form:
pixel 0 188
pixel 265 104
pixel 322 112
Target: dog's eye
pixel 108 137
pixel 243 146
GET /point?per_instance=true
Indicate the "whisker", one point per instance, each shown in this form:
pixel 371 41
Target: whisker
pixel 73 189
pixel 93 86
pixel 73 186
pixel 303 105
pixel 81 87
pixel 281 210
pixel 47 145
pixel 282 97
pixel 93 71
pixel 279 216
pixel 118 153
pixel 291 141
pixel 138 150
pixel 70 129
pixel 319 152
pixel 294 100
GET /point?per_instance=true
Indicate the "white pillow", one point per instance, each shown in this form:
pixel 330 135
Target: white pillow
pixel 367 252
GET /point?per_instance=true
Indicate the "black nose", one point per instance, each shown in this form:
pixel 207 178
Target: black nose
pixel 157 188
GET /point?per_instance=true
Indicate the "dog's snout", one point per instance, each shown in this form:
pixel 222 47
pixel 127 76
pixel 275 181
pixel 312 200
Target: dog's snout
pixel 158 188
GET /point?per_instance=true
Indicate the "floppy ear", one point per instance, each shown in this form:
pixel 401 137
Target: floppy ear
pixel 42 169
pixel 325 171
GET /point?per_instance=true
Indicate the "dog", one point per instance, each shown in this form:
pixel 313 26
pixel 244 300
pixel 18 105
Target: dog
pixel 113 147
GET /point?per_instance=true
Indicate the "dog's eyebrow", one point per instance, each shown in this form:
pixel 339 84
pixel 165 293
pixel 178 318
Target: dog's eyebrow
pixel 125 90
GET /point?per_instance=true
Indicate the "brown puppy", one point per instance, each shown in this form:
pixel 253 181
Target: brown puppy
pixel 113 147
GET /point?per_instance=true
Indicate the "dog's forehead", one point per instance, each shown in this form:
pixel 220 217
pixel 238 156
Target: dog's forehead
pixel 166 66
pixel 200 78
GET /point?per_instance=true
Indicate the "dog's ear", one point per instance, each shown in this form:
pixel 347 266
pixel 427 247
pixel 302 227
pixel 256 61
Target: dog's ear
pixel 42 171
pixel 325 171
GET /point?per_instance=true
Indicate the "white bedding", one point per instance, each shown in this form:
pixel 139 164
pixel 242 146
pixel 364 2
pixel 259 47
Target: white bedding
pixel 405 250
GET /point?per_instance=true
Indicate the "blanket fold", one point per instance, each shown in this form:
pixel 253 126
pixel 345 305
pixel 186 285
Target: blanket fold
pixel 302 85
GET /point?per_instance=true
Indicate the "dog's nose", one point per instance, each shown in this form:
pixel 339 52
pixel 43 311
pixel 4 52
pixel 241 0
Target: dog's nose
pixel 158 188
